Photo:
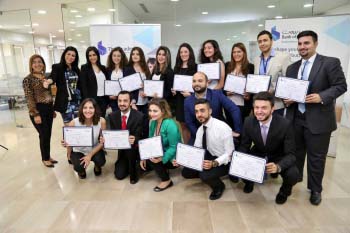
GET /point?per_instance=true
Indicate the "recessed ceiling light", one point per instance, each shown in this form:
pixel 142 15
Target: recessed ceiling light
pixel 112 10
pixel 53 36
pixel 72 22
pixel 235 36
pixel 178 25
pixel 27 25
pixel 60 30
pixel 78 35
pixel 174 0
pixel 41 12
pixel 82 41
pixel 91 9
pixel 279 17
pixel 205 12
pixel 243 33
pixel 78 16
pixel 74 11
pixel 69 39
pixel 228 39
pixel 35 24
pixel 271 6
pixel 72 29
pixel 261 25
pixel 307 5
pixel 31 32
pixel 1 26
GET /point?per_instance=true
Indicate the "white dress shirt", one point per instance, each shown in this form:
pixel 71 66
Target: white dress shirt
pixel 100 78
pixel 311 61
pixel 219 140
pixel 117 75
pixel 127 115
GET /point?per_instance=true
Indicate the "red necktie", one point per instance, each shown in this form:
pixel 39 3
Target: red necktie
pixel 124 122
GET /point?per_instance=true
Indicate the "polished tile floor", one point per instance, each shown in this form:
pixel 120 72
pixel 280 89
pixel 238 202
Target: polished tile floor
pixel 37 199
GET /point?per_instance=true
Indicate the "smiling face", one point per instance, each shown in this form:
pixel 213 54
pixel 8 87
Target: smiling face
pixel 116 57
pixel 237 54
pixel 161 57
pixel 199 83
pixel 38 65
pixel 124 102
pixel 69 57
pixel 265 43
pixel 184 54
pixel 135 56
pixel 92 57
pixel 88 110
pixel 306 47
pixel 202 112
pixel 262 110
pixel 154 112
pixel 209 50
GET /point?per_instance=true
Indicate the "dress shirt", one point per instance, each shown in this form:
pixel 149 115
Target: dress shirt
pixel 310 63
pixel 127 115
pixel 117 75
pixel 267 125
pixel 219 140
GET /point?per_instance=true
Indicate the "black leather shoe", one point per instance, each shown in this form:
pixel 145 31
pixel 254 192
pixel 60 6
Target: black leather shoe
pixel 53 161
pixel 274 175
pixel 315 198
pixel 217 193
pixel 281 198
pixel 48 163
pixel 82 175
pixel 157 189
pixel 234 179
pixel 97 170
pixel 248 188
pixel 134 180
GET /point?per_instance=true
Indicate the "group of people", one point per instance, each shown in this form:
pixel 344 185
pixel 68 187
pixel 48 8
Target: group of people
pixel 280 130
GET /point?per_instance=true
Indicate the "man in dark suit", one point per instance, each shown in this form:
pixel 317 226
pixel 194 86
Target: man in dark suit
pixel 315 120
pixel 273 138
pixel 132 120
pixel 218 102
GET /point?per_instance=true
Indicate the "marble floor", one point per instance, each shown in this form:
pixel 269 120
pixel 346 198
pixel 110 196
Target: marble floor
pixel 37 199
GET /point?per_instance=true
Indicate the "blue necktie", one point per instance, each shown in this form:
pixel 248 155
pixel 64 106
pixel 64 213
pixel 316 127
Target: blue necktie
pixel 304 76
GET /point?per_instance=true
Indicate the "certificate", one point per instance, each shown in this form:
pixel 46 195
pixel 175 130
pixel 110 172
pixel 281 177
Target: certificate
pixel 290 88
pixel 151 148
pixel 183 83
pixel 131 83
pixel 212 70
pixel 116 139
pixel 248 167
pixel 112 87
pixel 151 87
pixel 189 156
pixel 257 83
pixel 78 136
pixel 235 84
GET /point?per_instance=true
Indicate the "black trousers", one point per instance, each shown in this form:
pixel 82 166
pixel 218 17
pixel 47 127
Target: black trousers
pixel 102 102
pixel 161 169
pixel 99 159
pixel 44 129
pixel 126 164
pixel 316 147
pixel 145 128
pixel 211 177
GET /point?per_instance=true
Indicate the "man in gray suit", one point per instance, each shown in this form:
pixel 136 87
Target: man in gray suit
pixel 315 120
pixel 271 62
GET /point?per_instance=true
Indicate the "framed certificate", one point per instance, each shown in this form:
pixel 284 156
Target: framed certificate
pixel 291 88
pixel 183 83
pixel 235 84
pixel 151 148
pixel 152 87
pixel 116 139
pixel 112 87
pixel 257 83
pixel 190 156
pixel 212 70
pixel 131 83
pixel 248 167
pixel 81 136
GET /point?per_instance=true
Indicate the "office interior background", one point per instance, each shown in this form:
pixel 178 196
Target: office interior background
pixel 34 199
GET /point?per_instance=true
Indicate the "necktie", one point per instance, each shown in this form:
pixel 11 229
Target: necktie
pixel 301 106
pixel 263 129
pixel 124 122
pixel 204 138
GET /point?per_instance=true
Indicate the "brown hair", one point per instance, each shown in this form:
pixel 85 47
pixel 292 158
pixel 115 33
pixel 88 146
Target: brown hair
pixel 143 63
pixel 31 61
pixel 123 60
pixel 97 114
pixel 163 105
pixel 231 66
pixel 167 60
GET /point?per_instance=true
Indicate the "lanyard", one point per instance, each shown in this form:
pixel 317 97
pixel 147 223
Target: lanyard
pixel 265 63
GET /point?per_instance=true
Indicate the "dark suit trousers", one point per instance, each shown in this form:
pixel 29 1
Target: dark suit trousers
pixel 99 159
pixel 161 169
pixel 101 102
pixel 316 148
pixel 126 164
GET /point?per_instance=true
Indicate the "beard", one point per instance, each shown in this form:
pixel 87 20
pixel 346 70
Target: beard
pixel 200 91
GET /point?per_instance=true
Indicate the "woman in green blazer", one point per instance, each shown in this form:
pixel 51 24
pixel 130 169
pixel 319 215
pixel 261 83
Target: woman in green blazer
pixel 162 125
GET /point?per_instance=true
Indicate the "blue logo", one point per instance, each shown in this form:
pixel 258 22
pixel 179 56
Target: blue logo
pixel 101 49
pixel 276 35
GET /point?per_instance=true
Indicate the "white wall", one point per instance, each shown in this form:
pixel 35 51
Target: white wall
pixel 123 14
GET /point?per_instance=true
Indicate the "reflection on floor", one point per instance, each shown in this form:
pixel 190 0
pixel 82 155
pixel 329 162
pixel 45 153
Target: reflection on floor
pixel 37 199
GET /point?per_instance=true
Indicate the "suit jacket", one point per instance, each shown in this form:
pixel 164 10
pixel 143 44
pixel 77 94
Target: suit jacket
pixel 218 101
pixel 134 123
pixel 328 80
pixel 89 82
pixel 280 141
pixel 277 67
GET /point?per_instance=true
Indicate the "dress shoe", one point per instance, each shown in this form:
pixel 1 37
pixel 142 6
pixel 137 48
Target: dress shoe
pixel 157 189
pixel 281 198
pixel 82 175
pixel 248 187
pixel 274 175
pixel 97 170
pixel 53 161
pixel 48 163
pixel 133 179
pixel 234 179
pixel 217 193
pixel 315 198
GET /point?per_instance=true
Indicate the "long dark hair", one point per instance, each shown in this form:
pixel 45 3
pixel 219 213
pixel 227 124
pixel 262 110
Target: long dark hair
pixel 217 52
pixel 232 64
pixel 97 114
pixel 143 63
pixel 98 62
pixel 123 60
pixel 167 60
pixel 191 60
pixel 75 62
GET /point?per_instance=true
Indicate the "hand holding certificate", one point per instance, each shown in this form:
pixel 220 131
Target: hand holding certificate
pixel 257 83
pixel 235 84
pixel 131 83
pixel 293 89
pixel 248 167
pixel 152 87
pixel 112 87
pixel 183 83
pixel 78 136
pixel 116 139
pixel 212 70
pixel 189 156
pixel 151 148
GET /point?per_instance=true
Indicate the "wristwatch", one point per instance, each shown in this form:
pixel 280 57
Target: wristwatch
pixel 215 163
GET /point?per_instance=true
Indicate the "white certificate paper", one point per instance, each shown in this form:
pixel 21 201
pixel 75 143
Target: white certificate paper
pixel 290 88
pixel 116 139
pixel 151 87
pixel 151 148
pixel 248 167
pixel 183 83
pixel 212 70
pixel 78 136
pixel 112 87
pixel 189 156
pixel 131 83
pixel 257 83
pixel 235 84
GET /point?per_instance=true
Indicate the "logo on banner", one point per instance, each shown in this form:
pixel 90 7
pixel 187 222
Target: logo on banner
pixel 101 49
pixel 276 35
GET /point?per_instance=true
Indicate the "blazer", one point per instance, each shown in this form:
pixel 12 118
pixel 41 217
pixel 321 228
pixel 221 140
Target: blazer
pixel 89 82
pixel 328 80
pixel 280 141
pixel 134 123
pixel 277 67
pixel 170 133
pixel 58 77
pixel 217 101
